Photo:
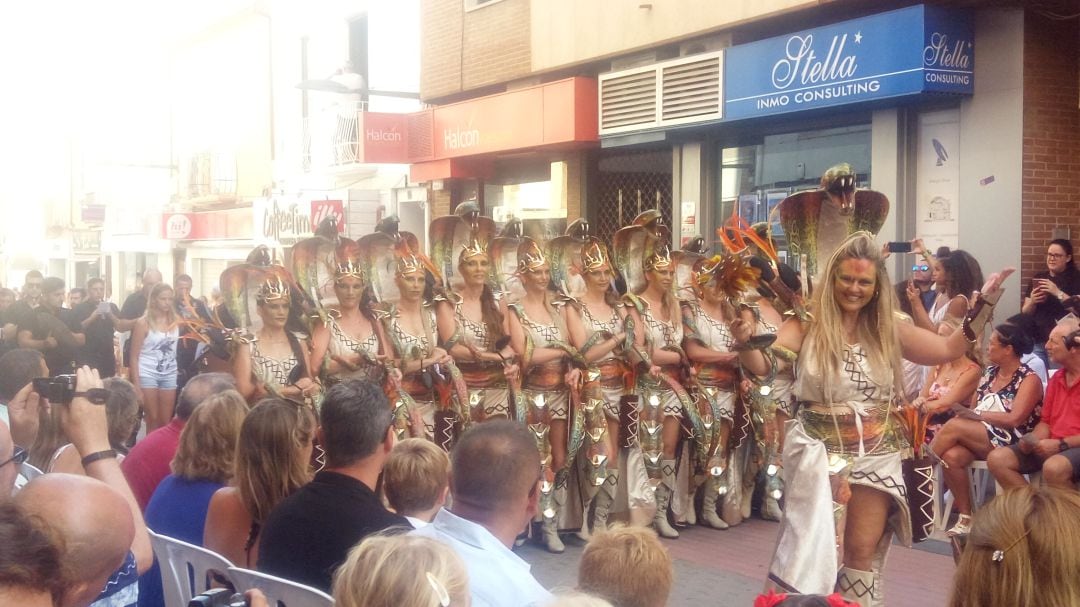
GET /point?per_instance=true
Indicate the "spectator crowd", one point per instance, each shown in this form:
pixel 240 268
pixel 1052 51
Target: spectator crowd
pixel 100 444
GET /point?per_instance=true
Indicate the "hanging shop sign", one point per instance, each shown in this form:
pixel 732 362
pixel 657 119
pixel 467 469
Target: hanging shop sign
pixel 915 50
pixel 224 224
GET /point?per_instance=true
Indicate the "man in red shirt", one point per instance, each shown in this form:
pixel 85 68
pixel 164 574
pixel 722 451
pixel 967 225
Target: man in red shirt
pixel 148 462
pixel 1054 445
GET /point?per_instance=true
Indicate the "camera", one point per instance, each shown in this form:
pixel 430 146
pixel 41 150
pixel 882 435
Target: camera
pixel 59 389
pixel 218 597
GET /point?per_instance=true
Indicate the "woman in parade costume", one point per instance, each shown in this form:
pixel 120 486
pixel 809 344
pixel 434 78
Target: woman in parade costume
pixel 596 325
pixel 272 361
pixel 720 283
pixel 845 450
pixel 539 336
pixel 768 399
pixel 349 343
pixel 422 398
pixel 656 330
pixel 472 320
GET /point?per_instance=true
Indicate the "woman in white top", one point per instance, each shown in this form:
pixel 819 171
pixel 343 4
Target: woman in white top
pixel 153 370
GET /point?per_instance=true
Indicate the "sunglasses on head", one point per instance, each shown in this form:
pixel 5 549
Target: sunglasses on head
pixel 922 268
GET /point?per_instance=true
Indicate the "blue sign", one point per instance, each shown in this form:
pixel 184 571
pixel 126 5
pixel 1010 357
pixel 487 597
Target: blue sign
pixel 899 53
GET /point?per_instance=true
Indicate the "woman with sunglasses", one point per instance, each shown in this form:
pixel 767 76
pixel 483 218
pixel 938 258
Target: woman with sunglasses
pixel 1007 406
pixel 1048 289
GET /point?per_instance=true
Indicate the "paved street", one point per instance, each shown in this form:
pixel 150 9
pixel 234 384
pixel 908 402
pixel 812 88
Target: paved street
pixel 728 568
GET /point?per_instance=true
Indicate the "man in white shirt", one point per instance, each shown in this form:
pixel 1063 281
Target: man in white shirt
pixel 494 486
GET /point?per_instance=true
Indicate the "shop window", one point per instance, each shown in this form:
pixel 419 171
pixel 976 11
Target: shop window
pixel 755 177
pixel 534 192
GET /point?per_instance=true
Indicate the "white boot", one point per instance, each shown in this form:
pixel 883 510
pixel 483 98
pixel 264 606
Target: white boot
pixel 708 505
pixel 857 586
pixel 603 501
pixel 663 500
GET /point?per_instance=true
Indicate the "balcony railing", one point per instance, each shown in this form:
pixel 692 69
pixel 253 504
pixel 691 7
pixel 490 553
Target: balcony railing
pixel 332 136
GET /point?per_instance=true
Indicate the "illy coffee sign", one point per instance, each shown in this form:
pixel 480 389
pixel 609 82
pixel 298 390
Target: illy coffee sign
pixel 326 209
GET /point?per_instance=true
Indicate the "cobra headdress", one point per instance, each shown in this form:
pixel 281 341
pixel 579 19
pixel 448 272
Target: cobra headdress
pixel 245 286
pixel 816 222
pixel 383 256
pixel 637 250
pixel 566 256
pixel 455 238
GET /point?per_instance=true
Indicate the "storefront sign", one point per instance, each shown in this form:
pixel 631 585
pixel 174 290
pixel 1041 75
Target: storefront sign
pixel 899 53
pixel 321 209
pixel 177 226
pixel 561 112
pixel 283 219
pixel 225 224
pixel 384 138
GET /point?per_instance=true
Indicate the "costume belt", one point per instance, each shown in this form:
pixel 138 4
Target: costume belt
pixel 482 374
pixel 673 373
pixel 612 373
pixel 852 427
pixel 717 375
pixel 546 376
pixel 413 384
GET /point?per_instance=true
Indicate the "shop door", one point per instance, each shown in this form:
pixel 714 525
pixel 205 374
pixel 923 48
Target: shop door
pixel 626 184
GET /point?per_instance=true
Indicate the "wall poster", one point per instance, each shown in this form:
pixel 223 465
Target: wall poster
pixel 937 189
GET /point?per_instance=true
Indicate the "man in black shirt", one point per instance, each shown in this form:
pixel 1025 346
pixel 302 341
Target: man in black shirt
pixel 309 534
pixel 134 307
pixel 52 329
pixel 9 332
pixel 188 308
pixel 97 317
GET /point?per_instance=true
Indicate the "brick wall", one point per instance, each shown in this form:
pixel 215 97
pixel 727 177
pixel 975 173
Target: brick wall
pixel 462 51
pixel 1051 181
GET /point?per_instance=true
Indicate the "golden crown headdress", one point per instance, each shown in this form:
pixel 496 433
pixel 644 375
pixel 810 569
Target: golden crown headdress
pixel 408 263
pixel 594 256
pixel 530 256
pixel 660 259
pixel 272 289
pixel 473 247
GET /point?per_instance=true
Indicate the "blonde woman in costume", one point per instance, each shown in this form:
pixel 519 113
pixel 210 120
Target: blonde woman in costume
pixel 597 329
pixel 847 442
pixel 644 259
pixel 718 283
pixel 473 320
pixel 539 335
pixel 421 399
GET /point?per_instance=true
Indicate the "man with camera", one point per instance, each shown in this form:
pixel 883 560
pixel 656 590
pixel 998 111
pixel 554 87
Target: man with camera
pixel 97 318
pixel 52 329
pixel 1053 447
pixel 104 540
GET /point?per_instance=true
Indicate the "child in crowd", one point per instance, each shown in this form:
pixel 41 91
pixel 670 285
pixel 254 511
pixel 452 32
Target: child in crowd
pixel 416 480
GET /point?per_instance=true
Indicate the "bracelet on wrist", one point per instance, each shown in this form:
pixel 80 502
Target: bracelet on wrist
pixel 98 455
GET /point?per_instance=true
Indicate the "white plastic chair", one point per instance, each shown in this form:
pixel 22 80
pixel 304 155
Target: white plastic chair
pixel 279 591
pixel 185 568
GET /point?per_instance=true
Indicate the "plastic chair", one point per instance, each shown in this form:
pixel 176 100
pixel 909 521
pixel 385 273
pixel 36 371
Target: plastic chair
pixel 185 568
pixel 279 591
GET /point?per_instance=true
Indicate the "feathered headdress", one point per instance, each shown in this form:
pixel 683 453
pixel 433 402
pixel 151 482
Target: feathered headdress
pixel 730 274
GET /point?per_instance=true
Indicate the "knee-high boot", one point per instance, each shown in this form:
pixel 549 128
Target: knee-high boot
pixel 663 500
pixel 552 541
pixel 714 488
pixel 603 501
pixel 857 586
